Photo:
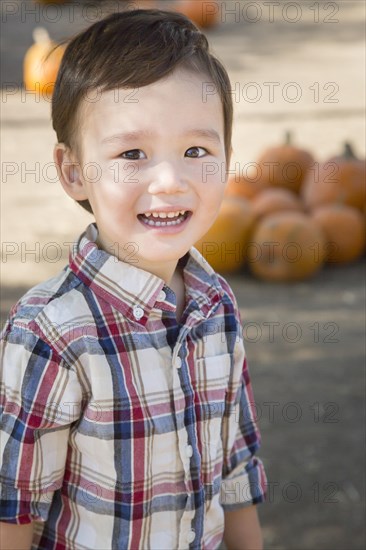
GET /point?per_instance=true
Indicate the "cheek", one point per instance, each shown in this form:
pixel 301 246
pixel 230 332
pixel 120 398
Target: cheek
pixel 116 186
pixel 113 202
pixel 212 192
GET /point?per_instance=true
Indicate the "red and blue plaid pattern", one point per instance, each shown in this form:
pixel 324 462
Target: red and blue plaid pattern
pixel 122 428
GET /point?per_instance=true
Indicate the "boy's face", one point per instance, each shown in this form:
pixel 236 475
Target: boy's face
pixel 162 165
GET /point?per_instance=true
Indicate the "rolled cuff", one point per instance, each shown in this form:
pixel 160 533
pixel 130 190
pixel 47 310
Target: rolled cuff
pixel 244 486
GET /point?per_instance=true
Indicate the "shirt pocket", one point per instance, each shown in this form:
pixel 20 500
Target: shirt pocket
pixel 212 377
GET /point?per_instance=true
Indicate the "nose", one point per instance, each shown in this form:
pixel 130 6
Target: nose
pixel 167 178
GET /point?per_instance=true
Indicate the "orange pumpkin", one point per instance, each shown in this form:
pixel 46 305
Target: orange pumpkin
pixel 341 179
pixel 223 246
pixel 286 246
pixel 240 186
pixel 285 165
pixel 204 13
pixel 345 231
pixel 275 200
pixel 41 64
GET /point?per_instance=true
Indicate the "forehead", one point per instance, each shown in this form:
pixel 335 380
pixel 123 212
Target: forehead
pixel 177 101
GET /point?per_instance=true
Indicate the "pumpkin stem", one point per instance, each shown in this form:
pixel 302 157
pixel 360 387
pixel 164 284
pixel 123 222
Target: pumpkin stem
pixel 40 35
pixel 348 152
pixel 288 138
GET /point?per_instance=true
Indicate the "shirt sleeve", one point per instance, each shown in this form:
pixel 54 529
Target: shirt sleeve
pixel 40 397
pixel 243 476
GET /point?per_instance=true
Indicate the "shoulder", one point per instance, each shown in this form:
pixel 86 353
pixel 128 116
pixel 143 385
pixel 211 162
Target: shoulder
pixel 40 296
pixel 204 271
pixel 45 304
pixel 227 291
pixel 214 282
pixel 35 353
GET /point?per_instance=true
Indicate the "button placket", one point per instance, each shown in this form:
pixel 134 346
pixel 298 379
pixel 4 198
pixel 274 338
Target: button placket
pixel 138 312
pixel 186 535
pixel 177 361
pixel 189 451
pixel 161 296
pixel 191 535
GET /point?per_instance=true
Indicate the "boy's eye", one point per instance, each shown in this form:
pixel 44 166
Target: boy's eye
pixel 196 152
pixel 133 154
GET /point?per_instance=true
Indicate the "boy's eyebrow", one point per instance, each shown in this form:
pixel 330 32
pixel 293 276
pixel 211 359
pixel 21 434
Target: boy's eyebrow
pixel 206 133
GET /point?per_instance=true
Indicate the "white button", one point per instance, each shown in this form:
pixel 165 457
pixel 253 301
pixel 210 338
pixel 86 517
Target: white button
pixel 191 535
pixel 161 296
pixel 189 451
pixel 178 362
pixel 138 312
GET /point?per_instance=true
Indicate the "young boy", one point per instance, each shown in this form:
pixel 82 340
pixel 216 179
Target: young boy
pixel 127 408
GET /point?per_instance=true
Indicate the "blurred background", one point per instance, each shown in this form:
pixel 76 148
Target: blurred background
pixel 296 68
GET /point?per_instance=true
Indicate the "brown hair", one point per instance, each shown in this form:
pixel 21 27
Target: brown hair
pixel 131 49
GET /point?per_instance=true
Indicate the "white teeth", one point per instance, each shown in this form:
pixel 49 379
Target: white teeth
pixel 155 223
pixel 164 215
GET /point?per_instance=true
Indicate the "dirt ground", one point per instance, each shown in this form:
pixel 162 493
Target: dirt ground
pixel 305 342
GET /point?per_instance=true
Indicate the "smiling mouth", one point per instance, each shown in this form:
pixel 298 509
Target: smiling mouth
pixel 157 220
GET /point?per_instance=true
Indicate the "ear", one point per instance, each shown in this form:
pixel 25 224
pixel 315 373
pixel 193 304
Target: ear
pixel 69 172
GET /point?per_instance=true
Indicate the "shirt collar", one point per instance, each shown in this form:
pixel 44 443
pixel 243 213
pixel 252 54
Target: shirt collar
pixel 125 286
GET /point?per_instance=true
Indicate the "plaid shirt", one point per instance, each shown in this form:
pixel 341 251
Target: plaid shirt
pixel 122 428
